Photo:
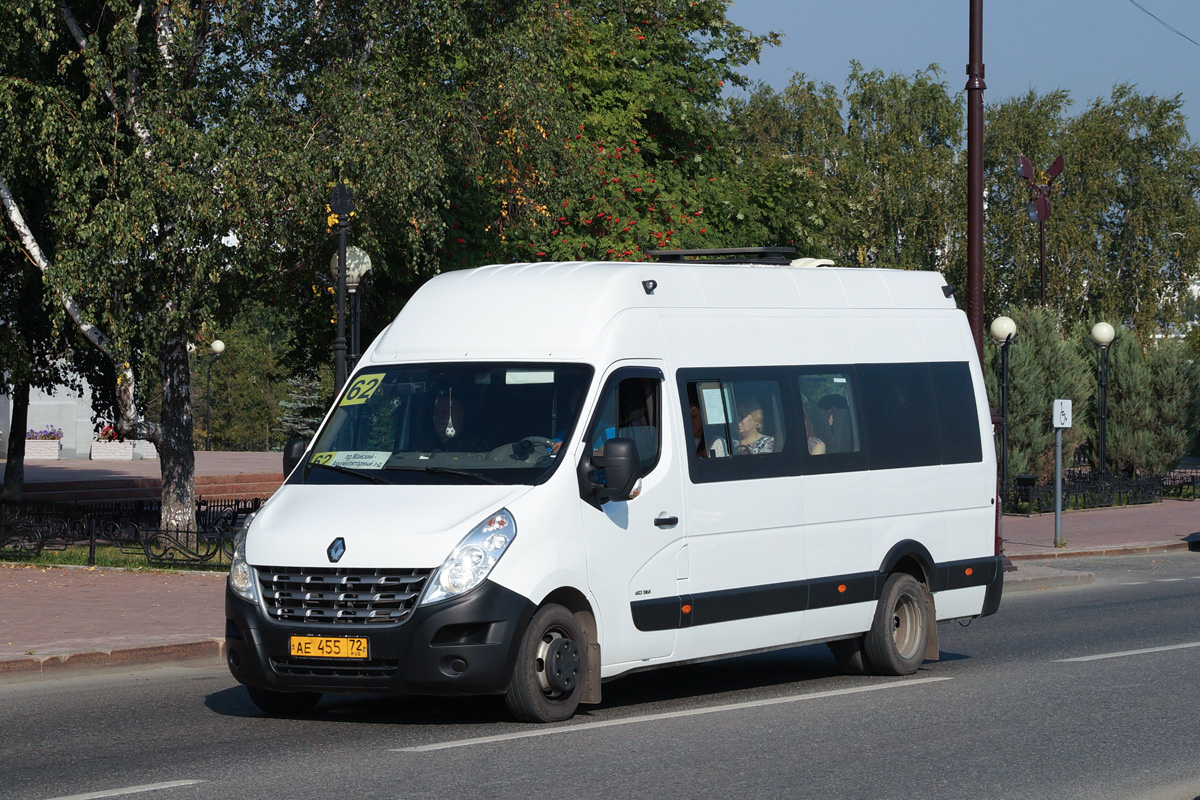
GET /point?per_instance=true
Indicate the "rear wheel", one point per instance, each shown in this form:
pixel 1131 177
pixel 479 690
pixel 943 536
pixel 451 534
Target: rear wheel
pixel 895 645
pixel 285 703
pixel 545 684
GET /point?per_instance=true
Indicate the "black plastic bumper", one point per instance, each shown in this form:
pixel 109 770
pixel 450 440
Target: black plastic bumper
pixel 464 646
pixel 995 590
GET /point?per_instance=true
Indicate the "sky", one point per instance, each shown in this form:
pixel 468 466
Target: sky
pixel 1083 46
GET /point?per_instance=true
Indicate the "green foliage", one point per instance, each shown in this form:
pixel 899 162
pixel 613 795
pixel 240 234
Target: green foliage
pixel 1044 366
pixel 1151 405
pixel 1123 238
pixel 248 384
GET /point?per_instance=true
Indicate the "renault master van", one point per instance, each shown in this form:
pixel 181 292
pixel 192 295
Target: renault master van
pixel 543 476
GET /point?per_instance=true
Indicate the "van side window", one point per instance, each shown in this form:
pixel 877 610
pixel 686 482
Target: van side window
pixel 830 411
pixel 957 411
pixel 630 408
pixel 901 416
pixel 735 418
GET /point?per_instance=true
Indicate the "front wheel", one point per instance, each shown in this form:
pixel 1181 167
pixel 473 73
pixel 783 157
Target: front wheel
pixel 895 645
pixel 545 684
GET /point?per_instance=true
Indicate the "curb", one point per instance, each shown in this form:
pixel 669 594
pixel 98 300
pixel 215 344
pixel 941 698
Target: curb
pixel 1049 579
pixel 13 670
pixel 1122 550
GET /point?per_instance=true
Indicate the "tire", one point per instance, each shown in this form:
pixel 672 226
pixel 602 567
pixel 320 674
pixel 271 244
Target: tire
pixel 851 657
pixel 895 645
pixel 546 681
pixel 283 703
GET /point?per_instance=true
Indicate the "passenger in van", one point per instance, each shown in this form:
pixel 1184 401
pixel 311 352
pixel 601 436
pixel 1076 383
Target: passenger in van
pixel 816 446
pixel 835 413
pixel 752 441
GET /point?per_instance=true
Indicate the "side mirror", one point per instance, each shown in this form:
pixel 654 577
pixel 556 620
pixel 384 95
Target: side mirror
pixel 293 454
pixel 619 463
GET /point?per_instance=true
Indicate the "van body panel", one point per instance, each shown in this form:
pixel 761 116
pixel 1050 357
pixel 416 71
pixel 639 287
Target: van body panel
pixel 383 526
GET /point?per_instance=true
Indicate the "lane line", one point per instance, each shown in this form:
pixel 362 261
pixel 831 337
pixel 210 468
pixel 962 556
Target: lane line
pixel 1128 653
pixel 148 787
pixel 1135 583
pixel 1170 580
pixel 590 726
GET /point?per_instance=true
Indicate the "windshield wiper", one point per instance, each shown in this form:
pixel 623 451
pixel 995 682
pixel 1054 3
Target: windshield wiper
pixel 366 476
pixel 457 473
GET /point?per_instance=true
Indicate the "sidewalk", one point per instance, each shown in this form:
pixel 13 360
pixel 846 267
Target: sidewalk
pixel 56 620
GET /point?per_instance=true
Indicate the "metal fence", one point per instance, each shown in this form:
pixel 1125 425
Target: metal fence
pixel 28 529
pixel 1085 488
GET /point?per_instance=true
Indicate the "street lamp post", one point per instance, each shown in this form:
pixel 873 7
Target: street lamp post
pixel 1038 206
pixel 1102 336
pixel 341 203
pixel 1003 331
pixel 216 349
pixel 357 265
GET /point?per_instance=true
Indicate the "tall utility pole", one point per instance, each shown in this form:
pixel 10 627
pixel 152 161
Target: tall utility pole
pixel 341 203
pixel 975 87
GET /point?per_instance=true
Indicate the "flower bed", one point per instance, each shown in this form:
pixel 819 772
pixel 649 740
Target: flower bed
pixel 112 451
pixel 42 449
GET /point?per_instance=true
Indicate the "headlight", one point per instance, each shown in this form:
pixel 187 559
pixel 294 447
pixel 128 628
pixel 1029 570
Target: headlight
pixel 470 562
pixel 241 576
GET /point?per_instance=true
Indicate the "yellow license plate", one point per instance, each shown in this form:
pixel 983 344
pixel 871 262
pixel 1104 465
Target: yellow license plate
pixel 328 647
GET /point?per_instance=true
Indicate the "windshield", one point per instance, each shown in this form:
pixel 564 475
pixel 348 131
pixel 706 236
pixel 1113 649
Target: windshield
pixel 449 424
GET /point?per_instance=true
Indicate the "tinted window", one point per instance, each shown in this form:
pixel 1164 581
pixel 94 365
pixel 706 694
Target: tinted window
pixel 900 415
pixel 740 422
pixel 958 416
pixel 431 423
pixel 630 408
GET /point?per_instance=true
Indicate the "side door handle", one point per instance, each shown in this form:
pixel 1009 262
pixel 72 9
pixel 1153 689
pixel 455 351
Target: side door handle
pixel 663 521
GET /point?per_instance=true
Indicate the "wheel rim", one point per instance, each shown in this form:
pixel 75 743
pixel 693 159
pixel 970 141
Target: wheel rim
pixel 907 626
pixel 556 664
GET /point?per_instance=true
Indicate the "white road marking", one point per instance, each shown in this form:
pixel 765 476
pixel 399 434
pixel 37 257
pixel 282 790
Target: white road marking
pixel 1129 653
pixel 149 787
pixel 590 726
pixel 1136 583
pixel 1170 580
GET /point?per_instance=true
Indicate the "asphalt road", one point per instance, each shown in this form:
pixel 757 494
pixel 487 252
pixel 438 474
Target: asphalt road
pixel 1089 692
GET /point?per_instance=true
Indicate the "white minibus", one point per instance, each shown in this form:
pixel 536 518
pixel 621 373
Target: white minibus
pixel 543 476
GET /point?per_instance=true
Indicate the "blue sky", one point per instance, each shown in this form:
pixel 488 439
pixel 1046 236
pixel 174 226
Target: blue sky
pixel 1084 46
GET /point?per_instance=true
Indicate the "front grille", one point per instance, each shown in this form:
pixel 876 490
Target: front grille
pixel 328 595
pixel 382 668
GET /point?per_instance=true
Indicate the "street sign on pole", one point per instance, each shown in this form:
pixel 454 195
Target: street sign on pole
pixel 1061 418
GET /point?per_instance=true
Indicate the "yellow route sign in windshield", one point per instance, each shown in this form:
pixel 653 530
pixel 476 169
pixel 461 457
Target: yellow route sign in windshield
pixel 362 388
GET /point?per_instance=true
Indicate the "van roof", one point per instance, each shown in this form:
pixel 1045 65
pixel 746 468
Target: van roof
pixel 557 309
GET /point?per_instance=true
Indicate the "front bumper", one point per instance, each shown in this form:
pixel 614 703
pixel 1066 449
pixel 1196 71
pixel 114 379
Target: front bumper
pixel 463 646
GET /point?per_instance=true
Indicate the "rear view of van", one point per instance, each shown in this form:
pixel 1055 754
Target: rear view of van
pixel 540 477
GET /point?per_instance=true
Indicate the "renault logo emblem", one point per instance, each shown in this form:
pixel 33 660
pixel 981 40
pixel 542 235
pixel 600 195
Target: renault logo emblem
pixel 336 550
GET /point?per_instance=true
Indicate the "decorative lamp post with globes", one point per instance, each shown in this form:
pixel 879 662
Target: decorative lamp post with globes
pixel 216 349
pixel 358 264
pixel 1003 331
pixel 1102 336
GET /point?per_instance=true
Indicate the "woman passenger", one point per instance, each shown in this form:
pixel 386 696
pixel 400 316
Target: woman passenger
pixel 752 441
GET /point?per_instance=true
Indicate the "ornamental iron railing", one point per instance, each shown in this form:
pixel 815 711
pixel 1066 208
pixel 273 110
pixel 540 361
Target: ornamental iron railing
pixel 28 529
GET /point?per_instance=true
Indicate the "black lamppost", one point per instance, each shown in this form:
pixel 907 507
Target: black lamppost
pixel 975 88
pixel 1003 330
pixel 357 265
pixel 341 203
pixel 216 349
pixel 1102 336
pixel 1038 206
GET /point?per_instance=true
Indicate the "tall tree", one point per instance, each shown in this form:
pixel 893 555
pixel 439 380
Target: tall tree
pixel 156 187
